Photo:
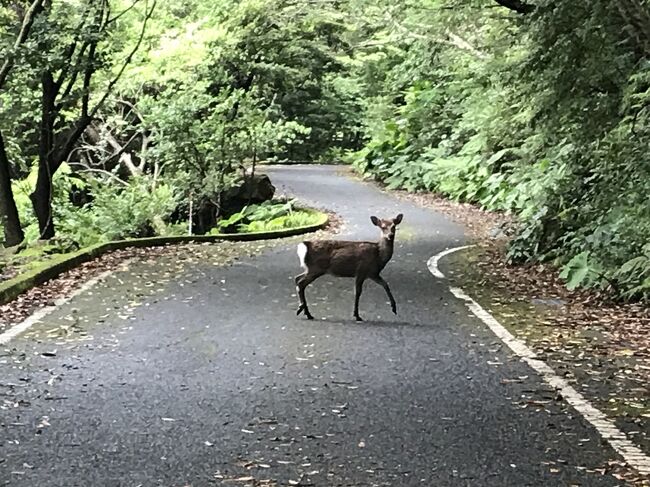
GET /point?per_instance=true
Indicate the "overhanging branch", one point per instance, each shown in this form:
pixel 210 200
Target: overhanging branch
pixel 127 61
pixel 123 12
pixel 88 115
pixel 517 5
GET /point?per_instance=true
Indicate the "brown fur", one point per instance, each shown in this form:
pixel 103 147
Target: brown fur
pixel 343 259
pixel 361 260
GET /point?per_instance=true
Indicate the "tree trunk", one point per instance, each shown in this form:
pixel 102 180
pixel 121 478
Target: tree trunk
pixel 8 211
pixel 42 202
pixel 42 195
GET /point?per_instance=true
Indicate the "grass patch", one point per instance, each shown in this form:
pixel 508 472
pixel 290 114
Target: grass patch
pixel 256 220
pixel 267 217
pixel 41 262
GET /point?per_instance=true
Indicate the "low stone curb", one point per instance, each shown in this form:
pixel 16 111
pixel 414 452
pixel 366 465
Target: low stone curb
pixel 13 288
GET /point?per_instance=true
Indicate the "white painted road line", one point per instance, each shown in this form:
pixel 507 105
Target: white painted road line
pixel 631 453
pixel 19 328
pixel 432 264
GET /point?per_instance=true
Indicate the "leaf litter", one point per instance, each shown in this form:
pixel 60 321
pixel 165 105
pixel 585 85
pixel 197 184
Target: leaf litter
pixel 169 262
pixel 601 347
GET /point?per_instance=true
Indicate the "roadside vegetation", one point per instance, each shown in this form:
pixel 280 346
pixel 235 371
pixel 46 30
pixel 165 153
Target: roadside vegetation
pixel 540 110
pixel 128 118
pixel 268 216
pixel 131 118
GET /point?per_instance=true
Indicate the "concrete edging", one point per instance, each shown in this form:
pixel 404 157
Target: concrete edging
pixel 14 287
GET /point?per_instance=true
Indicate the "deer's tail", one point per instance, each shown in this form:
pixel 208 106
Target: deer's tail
pixel 303 250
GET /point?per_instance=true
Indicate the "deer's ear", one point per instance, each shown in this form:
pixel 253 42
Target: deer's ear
pixel 374 220
pixel 398 219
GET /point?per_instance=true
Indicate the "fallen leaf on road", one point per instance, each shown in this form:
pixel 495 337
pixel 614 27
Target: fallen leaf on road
pixel 241 479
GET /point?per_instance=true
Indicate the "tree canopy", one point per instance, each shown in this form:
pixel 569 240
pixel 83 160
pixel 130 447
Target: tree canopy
pixel 115 114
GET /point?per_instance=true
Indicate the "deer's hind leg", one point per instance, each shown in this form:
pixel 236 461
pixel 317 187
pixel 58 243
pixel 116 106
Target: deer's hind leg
pixel 302 281
pixel 379 280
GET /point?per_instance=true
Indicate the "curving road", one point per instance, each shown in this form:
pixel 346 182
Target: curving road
pixel 214 381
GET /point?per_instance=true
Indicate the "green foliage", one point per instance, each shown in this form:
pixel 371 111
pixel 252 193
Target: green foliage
pixel 137 210
pixel 267 216
pixel 634 275
pixel 114 212
pixel 293 59
pixel 580 271
pixel 296 219
pixel 206 142
pixel 546 117
pixel 216 88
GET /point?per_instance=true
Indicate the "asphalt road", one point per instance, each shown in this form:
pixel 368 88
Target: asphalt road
pixel 213 380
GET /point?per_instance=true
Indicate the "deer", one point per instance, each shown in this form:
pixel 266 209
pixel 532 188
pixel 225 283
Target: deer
pixel 361 260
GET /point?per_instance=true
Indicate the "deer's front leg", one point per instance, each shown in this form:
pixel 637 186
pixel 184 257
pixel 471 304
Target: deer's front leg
pixel 357 294
pixel 302 281
pixel 379 280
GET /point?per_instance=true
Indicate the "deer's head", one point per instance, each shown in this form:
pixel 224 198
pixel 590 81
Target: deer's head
pixel 388 226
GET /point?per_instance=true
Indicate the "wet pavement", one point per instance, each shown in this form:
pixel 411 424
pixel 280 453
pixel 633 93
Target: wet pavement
pixel 201 374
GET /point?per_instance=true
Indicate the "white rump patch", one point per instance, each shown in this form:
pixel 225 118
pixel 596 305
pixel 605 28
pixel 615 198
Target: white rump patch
pixel 302 253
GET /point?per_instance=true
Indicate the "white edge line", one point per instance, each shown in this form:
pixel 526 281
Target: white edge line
pixel 432 264
pixel 631 453
pixel 25 325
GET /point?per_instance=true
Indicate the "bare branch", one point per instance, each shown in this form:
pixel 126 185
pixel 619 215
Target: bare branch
pixel 143 153
pixel 101 17
pixel 85 119
pixel 132 109
pixel 157 170
pixel 88 74
pixel 75 74
pixel 121 150
pixel 106 11
pixel 69 53
pixel 461 43
pixel 81 167
pixel 127 61
pixel 123 12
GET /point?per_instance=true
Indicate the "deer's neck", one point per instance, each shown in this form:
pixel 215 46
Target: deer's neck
pixel 385 250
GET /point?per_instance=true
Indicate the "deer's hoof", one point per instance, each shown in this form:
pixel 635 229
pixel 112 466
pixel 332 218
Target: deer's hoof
pixel 307 313
pixel 358 318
